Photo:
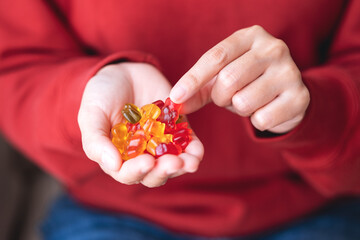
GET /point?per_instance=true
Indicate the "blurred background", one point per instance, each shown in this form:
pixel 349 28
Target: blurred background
pixel 25 195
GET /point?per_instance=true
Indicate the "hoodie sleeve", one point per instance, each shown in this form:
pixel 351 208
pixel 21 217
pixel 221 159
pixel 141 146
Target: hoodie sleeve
pixel 44 68
pixel 325 148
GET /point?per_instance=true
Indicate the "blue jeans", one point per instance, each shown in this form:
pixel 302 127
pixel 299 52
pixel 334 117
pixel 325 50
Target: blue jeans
pixel 67 220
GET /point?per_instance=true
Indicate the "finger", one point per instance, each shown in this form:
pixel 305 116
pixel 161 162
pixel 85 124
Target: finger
pixel 196 150
pixel 166 166
pixel 134 170
pixel 287 126
pixel 208 66
pixel 191 162
pixel 198 100
pixel 288 106
pixel 236 75
pixel 191 158
pixel 95 138
pixel 255 95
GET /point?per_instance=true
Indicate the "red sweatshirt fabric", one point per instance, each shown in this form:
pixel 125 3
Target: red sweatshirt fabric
pixel 248 181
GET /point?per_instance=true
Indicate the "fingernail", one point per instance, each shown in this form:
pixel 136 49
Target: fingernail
pixel 108 161
pixel 177 93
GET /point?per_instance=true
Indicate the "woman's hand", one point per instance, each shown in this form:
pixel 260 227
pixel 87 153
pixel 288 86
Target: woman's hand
pixel 252 74
pixel 104 96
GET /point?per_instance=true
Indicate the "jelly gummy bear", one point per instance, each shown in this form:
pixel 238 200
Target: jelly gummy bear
pixel 131 127
pixel 119 135
pixel 159 103
pixel 131 113
pixel 150 111
pixel 182 137
pixel 169 114
pixel 173 106
pixel 153 127
pixel 155 141
pixel 135 145
pixel 167 148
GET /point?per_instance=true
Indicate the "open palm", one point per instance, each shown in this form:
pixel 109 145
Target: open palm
pixel 104 96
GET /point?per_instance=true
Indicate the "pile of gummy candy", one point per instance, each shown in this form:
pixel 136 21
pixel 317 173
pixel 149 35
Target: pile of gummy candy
pixel 155 128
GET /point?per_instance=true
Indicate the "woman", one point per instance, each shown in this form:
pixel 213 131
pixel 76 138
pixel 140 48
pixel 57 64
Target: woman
pixel 280 138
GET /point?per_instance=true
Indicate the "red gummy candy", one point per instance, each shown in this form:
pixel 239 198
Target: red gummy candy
pixel 169 115
pixel 182 135
pixel 182 138
pixel 131 127
pixel 172 106
pixel 167 148
pixel 182 125
pixel 179 126
pixel 159 103
pixel 169 118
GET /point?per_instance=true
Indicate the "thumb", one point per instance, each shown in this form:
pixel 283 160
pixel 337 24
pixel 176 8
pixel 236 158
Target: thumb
pixel 96 140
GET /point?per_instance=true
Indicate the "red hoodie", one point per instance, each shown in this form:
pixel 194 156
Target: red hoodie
pixel 248 181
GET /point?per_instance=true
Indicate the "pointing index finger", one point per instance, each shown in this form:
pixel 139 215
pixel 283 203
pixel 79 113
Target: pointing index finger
pixel 209 64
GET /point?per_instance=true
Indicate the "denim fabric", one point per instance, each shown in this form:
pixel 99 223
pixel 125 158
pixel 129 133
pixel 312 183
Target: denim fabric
pixel 67 220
